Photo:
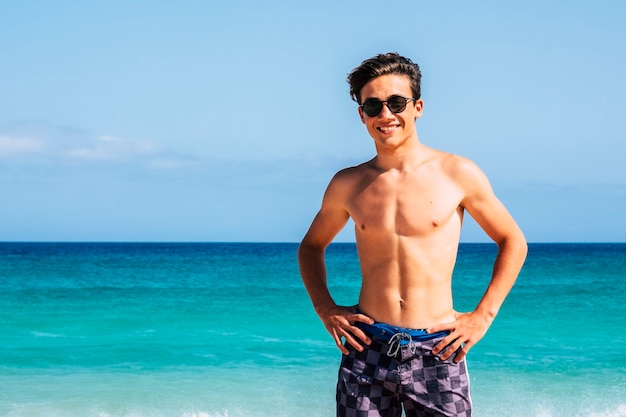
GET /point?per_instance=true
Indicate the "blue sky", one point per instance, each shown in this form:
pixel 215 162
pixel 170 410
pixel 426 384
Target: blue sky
pixel 224 121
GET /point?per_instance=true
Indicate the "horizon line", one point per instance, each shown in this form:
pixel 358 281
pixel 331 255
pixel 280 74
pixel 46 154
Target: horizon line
pixel 279 242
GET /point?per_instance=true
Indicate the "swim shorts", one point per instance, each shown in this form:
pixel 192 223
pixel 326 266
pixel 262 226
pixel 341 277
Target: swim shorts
pixel 398 369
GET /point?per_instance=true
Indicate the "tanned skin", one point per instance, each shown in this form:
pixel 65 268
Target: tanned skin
pixel 408 204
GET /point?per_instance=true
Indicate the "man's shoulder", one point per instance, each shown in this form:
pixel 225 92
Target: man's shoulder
pixel 345 181
pixel 464 173
pixel 454 164
pixel 354 172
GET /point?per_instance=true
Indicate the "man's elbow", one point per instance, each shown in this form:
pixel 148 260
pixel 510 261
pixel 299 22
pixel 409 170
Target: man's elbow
pixel 515 242
pixel 308 248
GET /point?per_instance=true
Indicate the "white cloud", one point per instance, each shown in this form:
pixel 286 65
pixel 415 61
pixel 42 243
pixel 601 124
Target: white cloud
pixel 10 146
pixel 37 144
pixel 111 148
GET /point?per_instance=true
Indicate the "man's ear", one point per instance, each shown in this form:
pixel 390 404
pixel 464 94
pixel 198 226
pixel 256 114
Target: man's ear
pixel 361 115
pixel 419 108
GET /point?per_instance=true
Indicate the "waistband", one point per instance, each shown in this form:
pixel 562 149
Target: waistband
pixel 384 332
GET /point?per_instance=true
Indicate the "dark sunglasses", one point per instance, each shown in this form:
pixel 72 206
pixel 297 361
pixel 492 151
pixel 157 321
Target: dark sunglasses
pixel 396 104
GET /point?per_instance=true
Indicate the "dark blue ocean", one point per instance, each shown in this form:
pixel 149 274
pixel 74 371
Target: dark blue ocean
pixel 227 330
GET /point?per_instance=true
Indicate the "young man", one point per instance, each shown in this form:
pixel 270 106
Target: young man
pixel 405 345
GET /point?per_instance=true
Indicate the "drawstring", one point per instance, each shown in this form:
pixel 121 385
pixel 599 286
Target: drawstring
pixel 394 343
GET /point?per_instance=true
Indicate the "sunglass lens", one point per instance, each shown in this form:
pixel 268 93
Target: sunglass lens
pixel 396 104
pixel 372 107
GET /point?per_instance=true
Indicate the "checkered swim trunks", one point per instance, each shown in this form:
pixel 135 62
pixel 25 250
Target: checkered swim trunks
pixel 399 369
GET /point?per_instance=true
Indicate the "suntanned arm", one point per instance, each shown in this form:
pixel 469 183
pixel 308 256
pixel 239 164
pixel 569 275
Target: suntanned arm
pixel 332 217
pixel 491 215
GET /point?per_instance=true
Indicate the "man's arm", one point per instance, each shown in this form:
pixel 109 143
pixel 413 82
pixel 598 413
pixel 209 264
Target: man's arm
pixel 491 215
pixel 332 217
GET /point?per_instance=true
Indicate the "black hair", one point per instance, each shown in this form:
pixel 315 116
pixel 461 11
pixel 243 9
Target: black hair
pixel 383 64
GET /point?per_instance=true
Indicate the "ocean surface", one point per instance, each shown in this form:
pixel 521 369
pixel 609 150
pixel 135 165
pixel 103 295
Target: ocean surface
pixel 227 330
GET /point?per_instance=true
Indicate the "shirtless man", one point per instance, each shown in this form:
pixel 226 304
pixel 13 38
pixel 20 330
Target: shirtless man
pixel 404 345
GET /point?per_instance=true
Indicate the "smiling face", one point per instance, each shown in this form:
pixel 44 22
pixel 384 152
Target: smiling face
pixel 391 129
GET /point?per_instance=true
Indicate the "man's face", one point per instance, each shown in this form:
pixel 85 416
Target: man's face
pixel 388 128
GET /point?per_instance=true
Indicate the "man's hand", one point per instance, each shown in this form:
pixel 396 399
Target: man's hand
pixel 465 331
pixel 339 322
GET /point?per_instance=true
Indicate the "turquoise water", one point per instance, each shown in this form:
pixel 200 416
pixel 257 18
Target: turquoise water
pixel 226 330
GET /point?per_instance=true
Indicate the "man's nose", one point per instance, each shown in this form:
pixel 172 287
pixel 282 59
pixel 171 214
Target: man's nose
pixel 385 112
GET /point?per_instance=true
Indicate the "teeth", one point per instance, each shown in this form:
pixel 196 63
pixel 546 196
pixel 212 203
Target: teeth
pixel 385 129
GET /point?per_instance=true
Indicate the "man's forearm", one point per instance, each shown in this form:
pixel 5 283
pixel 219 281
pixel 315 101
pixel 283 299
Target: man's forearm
pixel 511 256
pixel 313 273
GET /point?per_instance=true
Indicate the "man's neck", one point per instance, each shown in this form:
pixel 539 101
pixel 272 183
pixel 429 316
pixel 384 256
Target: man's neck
pixel 402 158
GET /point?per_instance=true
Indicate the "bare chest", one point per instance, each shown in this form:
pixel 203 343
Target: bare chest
pixel 405 207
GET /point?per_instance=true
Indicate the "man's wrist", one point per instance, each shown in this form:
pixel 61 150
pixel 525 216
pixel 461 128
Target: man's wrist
pixel 488 314
pixel 322 310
